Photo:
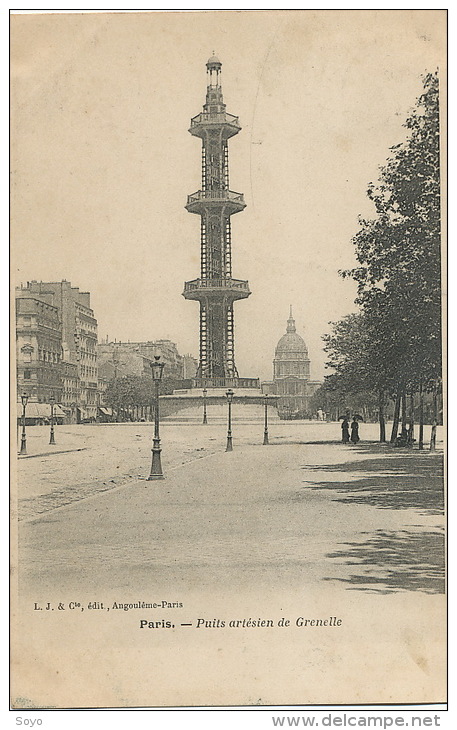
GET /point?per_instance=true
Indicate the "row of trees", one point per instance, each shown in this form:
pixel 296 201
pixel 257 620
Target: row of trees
pixel 132 396
pixel 391 348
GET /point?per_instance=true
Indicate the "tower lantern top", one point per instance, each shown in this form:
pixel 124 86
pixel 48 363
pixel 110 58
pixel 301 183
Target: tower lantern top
pixel 213 63
pixel 213 67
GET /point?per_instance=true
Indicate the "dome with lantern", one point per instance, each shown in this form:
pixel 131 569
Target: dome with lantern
pixel 291 354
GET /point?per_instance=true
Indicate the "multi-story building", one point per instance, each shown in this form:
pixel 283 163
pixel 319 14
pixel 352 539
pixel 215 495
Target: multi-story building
pixel 117 359
pixel 39 348
pixel 190 365
pixel 70 390
pixel 174 362
pixel 79 341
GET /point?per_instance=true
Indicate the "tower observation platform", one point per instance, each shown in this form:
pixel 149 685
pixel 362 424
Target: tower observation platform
pixel 216 290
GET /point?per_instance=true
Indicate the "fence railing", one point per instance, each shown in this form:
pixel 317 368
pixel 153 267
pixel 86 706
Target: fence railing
pixel 226 383
pixel 215 195
pixel 218 118
pixel 219 283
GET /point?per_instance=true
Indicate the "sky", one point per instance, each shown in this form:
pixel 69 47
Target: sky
pixel 102 161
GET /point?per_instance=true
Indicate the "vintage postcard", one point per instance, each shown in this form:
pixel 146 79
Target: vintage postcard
pixel 228 239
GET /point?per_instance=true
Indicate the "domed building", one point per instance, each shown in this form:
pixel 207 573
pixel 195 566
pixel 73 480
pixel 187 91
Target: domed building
pixel 291 375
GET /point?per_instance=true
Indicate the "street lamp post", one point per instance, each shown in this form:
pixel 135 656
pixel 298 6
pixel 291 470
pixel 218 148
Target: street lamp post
pixel 115 364
pixel 265 431
pixel 205 419
pixel 24 399
pixel 229 395
pixel 52 400
pixel 156 466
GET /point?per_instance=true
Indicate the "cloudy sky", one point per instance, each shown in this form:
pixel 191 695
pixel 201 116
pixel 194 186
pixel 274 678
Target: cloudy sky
pixel 102 161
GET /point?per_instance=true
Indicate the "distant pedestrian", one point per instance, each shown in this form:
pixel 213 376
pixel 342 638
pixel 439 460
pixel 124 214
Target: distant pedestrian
pixel 355 432
pixel 345 431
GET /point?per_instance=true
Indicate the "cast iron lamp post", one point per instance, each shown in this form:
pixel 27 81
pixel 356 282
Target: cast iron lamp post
pixel 265 431
pixel 52 400
pixel 24 400
pixel 156 466
pixel 115 364
pixel 205 419
pixel 229 395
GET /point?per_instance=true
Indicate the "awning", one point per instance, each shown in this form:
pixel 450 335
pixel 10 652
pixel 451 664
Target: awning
pixel 41 410
pixel 106 411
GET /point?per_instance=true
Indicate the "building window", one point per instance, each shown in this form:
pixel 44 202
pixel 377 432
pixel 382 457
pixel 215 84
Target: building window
pixel 26 352
pixel 27 375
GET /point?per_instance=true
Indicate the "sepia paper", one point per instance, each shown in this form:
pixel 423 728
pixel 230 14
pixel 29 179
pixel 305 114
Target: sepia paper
pixel 223 607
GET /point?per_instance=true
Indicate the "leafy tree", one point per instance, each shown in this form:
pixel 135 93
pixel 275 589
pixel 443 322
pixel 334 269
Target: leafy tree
pixel 355 356
pixel 134 391
pixel 129 391
pixel 398 252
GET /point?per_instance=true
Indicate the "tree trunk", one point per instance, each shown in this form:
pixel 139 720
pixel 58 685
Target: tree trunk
pixel 435 420
pixel 433 437
pixel 421 417
pixel 382 421
pixel 393 435
pixel 404 428
pixel 411 420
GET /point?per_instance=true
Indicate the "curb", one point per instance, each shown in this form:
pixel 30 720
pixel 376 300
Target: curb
pixel 50 453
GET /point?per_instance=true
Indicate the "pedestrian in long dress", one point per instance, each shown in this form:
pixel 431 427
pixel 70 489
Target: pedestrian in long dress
pixel 345 431
pixel 354 431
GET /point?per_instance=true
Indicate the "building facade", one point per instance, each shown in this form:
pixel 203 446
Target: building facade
pixel 78 344
pixel 291 374
pixel 70 390
pixel 38 348
pixel 190 366
pixel 215 290
pixel 119 359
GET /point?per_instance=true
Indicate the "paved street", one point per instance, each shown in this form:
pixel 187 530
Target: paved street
pixel 305 527
pixel 306 509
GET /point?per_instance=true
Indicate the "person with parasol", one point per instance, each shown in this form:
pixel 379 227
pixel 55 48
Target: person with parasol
pixel 345 429
pixel 355 428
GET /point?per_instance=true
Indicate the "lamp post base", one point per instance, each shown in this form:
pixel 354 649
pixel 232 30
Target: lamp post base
pixel 52 439
pixel 265 439
pixel 229 444
pixel 156 466
pixel 23 449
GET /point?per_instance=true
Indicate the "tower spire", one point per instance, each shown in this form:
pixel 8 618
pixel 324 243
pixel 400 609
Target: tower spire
pixel 215 203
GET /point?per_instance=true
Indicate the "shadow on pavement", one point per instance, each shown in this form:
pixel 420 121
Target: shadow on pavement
pixel 396 479
pixel 393 480
pixel 395 561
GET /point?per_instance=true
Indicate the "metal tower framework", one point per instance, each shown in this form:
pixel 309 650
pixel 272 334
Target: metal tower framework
pixel 215 203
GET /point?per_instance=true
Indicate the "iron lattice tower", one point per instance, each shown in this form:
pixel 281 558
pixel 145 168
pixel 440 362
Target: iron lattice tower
pixel 215 203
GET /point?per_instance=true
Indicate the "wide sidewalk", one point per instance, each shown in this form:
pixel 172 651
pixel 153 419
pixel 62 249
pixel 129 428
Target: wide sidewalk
pixel 288 513
pixel 301 529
